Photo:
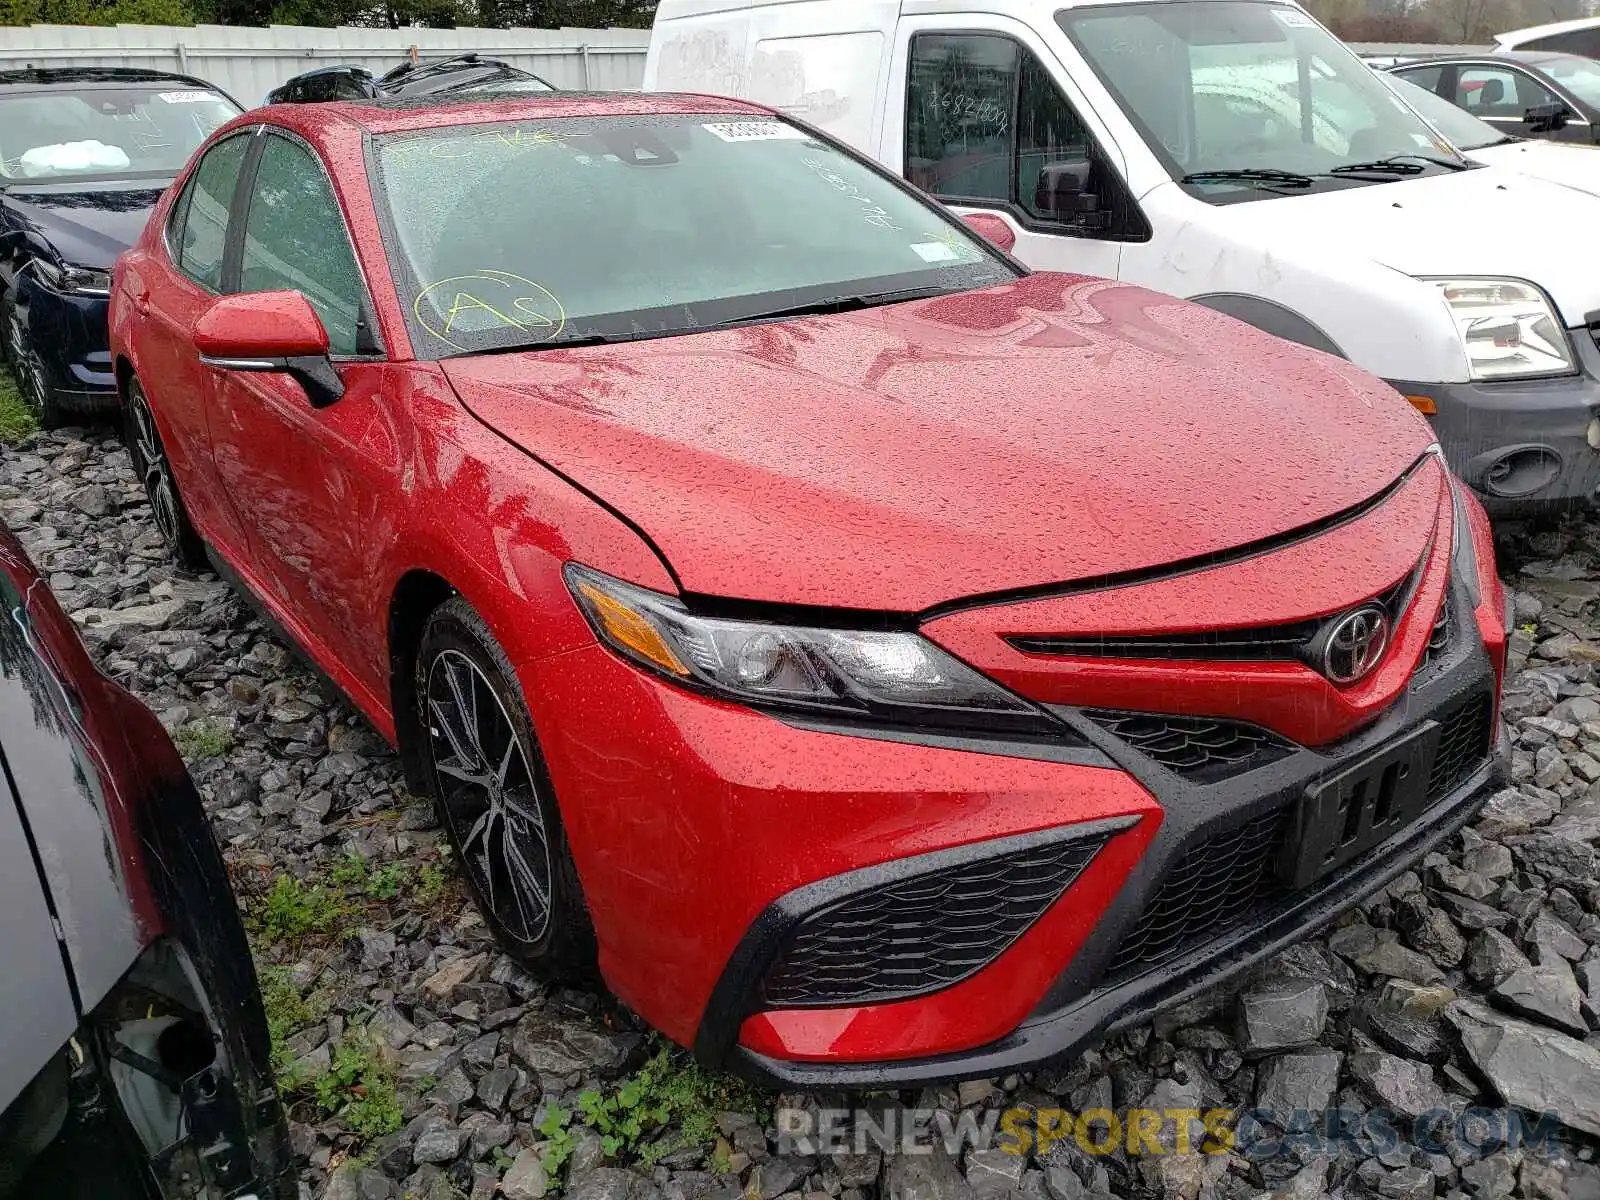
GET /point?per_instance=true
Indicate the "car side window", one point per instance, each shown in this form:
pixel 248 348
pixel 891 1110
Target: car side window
pixel 203 234
pixel 1496 92
pixel 1423 77
pixel 295 240
pixel 984 119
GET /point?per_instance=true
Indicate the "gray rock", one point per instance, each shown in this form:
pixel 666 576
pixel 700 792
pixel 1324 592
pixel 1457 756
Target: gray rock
pixel 1547 993
pixel 1400 1033
pixel 1282 1016
pixel 1531 1066
pixel 923 1177
pixel 1408 1183
pixel 1568 861
pixel 550 1046
pixel 778 1175
pixel 439 1142
pixel 1430 931
pixel 1293 1083
pixel 1397 1083
pixel 1554 938
pixel 495 1087
pixel 1493 957
pixel 994 1173
pixel 525 1178
pixel 1387 957
pixel 1491 1178
pixel 93 501
pixel 607 1183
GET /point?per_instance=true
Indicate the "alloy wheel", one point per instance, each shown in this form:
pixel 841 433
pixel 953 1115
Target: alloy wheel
pixel 488 796
pixel 152 467
pixel 24 361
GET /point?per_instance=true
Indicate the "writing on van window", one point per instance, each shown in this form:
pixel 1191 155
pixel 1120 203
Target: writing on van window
pixel 979 114
pixel 872 212
pixel 466 306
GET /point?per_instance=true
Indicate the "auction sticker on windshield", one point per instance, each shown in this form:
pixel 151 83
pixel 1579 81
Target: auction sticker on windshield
pixel 187 97
pixel 756 131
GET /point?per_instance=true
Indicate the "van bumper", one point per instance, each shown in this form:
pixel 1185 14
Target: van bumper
pixel 1524 446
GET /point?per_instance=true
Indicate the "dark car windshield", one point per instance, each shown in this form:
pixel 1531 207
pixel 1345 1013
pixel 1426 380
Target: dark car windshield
pixel 1226 86
pixel 550 231
pixel 149 130
pixel 1580 76
pixel 1460 128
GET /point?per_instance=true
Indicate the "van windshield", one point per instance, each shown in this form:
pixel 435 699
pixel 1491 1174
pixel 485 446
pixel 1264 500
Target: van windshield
pixel 1242 99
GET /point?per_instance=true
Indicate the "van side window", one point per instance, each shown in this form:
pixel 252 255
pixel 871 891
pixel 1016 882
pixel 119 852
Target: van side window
pixel 986 124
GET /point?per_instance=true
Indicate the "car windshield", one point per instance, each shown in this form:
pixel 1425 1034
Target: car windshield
pixel 117 132
pixel 1220 87
pixel 1459 127
pixel 544 232
pixel 1580 76
pixel 510 84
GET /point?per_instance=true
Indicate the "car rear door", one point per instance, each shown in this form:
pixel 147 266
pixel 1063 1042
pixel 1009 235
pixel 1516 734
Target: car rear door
pixel 170 289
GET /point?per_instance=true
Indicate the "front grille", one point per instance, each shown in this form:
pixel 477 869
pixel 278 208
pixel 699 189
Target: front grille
pixel 924 932
pixel 1464 737
pixel 1199 748
pixel 1259 643
pixel 1211 886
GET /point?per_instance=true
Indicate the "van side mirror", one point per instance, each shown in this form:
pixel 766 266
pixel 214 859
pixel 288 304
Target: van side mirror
pixel 1547 118
pixel 1063 193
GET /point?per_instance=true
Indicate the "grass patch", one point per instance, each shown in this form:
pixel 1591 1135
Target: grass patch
pixel 432 887
pixel 291 910
pixel 203 740
pixel 358 1090
pixel 670 1105
pixel 16 418
pixel 288 1012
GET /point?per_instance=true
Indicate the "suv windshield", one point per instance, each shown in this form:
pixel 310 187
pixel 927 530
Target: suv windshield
pixel 1220 87
pixel 117 132
pixel 547 232
pixel 1460 128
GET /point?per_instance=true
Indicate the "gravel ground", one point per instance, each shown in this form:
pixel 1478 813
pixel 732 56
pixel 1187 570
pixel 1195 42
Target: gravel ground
pixel 422 1063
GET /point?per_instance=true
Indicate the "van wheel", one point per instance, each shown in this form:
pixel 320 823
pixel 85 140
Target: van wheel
pixel 494 797
pixel 150 463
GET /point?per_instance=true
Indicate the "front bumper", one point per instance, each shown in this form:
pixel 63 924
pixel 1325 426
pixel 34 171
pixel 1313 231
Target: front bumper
pixel 1523 446
pixel 68 333
pixel 706 834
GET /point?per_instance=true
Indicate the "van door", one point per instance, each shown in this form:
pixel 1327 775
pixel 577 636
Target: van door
pixel 980 113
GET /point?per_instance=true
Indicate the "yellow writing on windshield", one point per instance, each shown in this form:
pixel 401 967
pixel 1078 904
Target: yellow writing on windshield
pixel 461 308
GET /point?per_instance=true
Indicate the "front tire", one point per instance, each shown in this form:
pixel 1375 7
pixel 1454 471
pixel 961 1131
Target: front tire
pixel 28 368
pixel 494 797
pixel 150 464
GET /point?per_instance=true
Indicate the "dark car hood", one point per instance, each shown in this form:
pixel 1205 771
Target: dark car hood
pixel 1055 429
pixel 88 224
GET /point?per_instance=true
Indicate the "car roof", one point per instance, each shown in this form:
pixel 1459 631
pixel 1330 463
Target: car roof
pixel 434 111
pixel 1528 58
pixel 32 78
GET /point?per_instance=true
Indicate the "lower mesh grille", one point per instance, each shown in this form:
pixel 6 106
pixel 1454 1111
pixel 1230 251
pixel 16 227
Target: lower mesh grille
pixel 1464 737
pixel 1211 886
pixel 1198 748
pixel 924 932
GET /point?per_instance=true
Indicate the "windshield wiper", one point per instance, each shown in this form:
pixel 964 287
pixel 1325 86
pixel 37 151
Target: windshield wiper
pixel 1397 164
pixel 840 304
pixel 1260 175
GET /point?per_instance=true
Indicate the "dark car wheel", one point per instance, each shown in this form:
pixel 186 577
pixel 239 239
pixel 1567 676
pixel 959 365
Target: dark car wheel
pixel 150 463
pixel 32 373
pixel 494 797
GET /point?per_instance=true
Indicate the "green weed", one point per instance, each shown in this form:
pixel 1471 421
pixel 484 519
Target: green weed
pixel 202 740
pixel 292 910
pixel 16 418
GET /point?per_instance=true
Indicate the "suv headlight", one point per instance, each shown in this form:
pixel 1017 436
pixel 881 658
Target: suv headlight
pixel 884 676
pixel 82 281
pixel 1509 328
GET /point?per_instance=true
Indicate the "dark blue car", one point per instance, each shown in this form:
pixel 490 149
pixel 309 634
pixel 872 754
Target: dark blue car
pixel 84 155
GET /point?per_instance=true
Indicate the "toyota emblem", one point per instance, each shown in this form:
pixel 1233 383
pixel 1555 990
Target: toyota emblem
pixel 1355 643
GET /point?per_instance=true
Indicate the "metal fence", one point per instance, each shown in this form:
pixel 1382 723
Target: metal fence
pixel 248 63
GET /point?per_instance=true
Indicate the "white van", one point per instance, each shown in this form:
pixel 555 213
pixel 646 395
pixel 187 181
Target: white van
pixel 1204 148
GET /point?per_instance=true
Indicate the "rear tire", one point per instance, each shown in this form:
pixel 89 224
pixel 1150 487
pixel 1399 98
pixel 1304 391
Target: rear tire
pixel 495 800
pixel 150 464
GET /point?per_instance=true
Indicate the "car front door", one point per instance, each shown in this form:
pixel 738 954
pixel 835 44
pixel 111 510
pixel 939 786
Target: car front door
pixel 170 289
pixel 977 117
pixel 1502 96
pixel 302 479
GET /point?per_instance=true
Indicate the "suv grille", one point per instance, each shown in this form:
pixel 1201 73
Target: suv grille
pixel 1464 736
pixel 1200 748
pixel 925 932
pixel 1211 886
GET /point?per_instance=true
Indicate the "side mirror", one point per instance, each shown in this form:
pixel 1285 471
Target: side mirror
pixel 1547 118
pixel 272 332
pixel 1063 192
pixel 994 230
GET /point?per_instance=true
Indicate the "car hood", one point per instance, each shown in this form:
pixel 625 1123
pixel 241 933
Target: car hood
pixel 1055 429
pixel 1488 221
pixel 1571 164
pixel 88 225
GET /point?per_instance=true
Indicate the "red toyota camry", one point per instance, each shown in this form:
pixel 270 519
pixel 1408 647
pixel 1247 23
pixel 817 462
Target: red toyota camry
pixel 875 662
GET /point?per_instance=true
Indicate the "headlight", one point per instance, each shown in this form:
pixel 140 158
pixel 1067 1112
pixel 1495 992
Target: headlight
pixel 83 281
pixel 1509 329
pixel 894 677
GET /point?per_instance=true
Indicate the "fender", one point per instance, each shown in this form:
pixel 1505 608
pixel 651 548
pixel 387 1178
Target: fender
pixel 1273 318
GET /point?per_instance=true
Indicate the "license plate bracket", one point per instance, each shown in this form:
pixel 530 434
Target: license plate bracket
pixel 1343 816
